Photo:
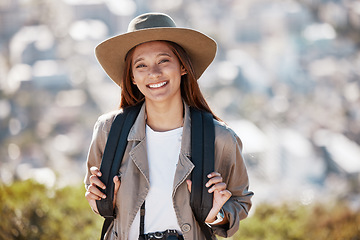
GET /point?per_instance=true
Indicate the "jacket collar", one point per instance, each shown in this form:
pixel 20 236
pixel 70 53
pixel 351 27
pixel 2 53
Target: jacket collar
pixel 137 131
pixel 186 138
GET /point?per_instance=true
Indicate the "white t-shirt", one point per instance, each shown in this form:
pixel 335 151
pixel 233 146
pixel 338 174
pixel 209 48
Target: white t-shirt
pixel 163 149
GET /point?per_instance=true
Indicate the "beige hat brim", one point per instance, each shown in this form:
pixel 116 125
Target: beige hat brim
pixel 111 53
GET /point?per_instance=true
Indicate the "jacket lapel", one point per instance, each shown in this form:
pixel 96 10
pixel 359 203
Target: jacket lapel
pixel 138 152
pixel 184 166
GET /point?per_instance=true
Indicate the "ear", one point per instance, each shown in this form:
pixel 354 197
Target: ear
pixel 133 80
pixel 183 70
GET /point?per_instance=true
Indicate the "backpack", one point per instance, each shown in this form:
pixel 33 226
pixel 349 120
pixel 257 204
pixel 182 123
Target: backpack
pixel 202 149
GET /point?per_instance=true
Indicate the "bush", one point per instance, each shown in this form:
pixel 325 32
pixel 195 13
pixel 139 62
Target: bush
pixel 32 211
pixel 299 222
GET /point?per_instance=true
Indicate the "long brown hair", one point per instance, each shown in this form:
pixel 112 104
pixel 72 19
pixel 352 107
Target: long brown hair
pixel 190 90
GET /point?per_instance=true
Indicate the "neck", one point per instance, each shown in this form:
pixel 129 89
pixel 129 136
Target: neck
pixel 163 117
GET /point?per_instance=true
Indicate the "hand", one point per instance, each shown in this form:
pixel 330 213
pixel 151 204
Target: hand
pixel 93 193
pixel 221 195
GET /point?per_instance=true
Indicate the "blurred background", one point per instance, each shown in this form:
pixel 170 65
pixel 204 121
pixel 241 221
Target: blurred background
pixel 286 78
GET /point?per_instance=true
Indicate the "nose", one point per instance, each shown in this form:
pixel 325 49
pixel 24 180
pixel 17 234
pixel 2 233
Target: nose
pixel 155 71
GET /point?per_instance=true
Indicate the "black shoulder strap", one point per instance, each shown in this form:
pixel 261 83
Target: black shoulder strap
pixel 111 160
pixel 202 156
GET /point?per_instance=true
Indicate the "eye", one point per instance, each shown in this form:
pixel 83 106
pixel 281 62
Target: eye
pixel 140 66
pixel 164 60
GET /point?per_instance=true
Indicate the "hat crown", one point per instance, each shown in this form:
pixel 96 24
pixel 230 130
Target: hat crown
pixel 151 20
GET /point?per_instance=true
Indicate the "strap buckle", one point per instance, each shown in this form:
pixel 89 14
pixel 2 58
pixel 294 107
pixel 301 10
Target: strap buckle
pixel 158 235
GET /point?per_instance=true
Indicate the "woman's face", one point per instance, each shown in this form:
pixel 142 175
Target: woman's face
pixel 157 71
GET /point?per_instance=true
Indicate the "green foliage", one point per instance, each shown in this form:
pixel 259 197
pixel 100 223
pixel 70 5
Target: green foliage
pixel 32 211
pixel 299 222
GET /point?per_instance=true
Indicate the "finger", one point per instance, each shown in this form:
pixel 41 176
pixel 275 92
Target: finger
pixel 189 183
pixel 90 196
pixel 94 180
pixel 213 174
pixel 94 190
pixel 214 180
pixel 226 193
pixel 217 187
pixel 95 171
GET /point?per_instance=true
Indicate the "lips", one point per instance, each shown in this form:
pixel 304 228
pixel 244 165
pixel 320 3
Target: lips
pixel 157 85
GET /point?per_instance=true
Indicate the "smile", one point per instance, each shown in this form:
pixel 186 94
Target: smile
pixel 157 85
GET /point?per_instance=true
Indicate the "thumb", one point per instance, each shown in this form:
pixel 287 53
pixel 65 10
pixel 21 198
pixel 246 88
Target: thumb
pixel 117 184
pixel 116 188
pixel 189 183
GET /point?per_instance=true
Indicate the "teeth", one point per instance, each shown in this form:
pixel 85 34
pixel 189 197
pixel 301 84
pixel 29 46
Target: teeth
pixel 157 85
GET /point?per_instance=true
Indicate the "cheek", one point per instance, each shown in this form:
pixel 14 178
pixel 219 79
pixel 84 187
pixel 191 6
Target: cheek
pixel 137 77
pixel 139 83
pixel 140 87
pixel 136 73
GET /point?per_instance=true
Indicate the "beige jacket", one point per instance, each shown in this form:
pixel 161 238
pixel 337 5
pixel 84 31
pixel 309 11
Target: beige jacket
pixel 135 182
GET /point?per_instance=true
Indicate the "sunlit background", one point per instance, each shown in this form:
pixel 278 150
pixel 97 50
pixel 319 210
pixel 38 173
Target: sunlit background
pixel 286 78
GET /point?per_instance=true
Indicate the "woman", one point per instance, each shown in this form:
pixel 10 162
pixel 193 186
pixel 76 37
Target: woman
pixel 159 63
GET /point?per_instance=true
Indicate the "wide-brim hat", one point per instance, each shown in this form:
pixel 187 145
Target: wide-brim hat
pixel 111 53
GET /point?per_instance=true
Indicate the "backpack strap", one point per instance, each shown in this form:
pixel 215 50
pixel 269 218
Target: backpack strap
pixel 202 156
pixel 111 161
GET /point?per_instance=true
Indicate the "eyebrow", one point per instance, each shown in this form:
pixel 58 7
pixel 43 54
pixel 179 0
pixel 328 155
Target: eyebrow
pixel 159 55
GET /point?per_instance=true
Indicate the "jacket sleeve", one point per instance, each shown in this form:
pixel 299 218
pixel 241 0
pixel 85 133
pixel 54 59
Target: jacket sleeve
pixel 230 164
pixel 97 145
